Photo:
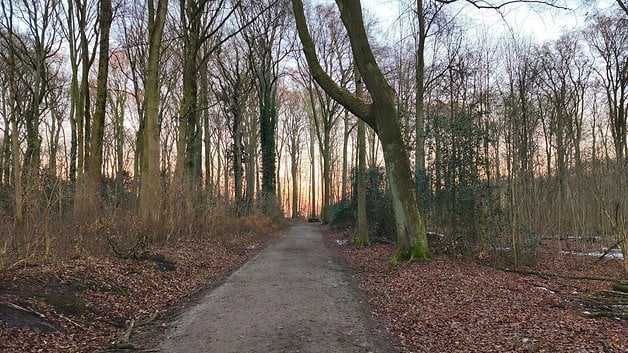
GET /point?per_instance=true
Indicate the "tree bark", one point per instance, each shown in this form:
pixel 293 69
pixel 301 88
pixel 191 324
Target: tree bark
pixel 345 162
pixel 294 169
pixel 98 125
pixel 420 173
pixel 363 232
pixel 150 192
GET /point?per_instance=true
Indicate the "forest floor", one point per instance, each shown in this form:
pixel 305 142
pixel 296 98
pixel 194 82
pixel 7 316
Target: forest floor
pixel 451 304
pixel 91 303
pixel 299 295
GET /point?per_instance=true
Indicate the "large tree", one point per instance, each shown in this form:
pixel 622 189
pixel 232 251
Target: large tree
pixel 150 193
pixel 381 115
pixel 94 162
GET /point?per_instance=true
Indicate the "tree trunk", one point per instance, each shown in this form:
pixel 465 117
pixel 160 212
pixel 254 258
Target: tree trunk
pixel 188 166
pixel 98 125
pixel 326 154
pixel 118 112
pixel 420 175
pixel 294 169
pixel 150 192
pixel 251 163
pixel 268 121
pixel 345 162
pixel 312 172
pixel 363 232
pixel 15 147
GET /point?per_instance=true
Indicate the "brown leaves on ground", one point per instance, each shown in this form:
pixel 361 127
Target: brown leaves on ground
pixel 455 305
pixel 82 304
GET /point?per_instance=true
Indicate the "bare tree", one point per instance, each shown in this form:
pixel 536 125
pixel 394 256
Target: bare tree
pixel 608 37
pixel 235 88
pixel 268 46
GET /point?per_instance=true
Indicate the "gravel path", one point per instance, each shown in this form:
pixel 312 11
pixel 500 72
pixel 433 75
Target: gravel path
pixel 292 297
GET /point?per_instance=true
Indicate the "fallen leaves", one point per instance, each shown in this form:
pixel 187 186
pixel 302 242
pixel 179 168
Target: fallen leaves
pixel 454 305
pixel 84 304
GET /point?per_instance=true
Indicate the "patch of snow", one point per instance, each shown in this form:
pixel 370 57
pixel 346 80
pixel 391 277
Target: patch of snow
pixel 613 254
pixel 546 289
pixel 341 241
pixel 251 247
pixel 435 234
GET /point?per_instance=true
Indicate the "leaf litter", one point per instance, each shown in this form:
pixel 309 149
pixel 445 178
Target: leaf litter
pixel 452 304
pixel 87 304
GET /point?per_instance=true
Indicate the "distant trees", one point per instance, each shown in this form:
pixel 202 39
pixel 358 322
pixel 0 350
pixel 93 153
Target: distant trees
pixel 162 114
pixel 332 41
pixel 608 37
pixel 267 42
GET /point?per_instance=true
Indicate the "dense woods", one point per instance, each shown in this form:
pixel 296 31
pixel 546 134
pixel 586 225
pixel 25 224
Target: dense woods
pixel 126 123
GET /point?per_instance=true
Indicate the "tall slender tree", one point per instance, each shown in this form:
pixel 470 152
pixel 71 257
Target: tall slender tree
pixel 150 192
pixel 94 170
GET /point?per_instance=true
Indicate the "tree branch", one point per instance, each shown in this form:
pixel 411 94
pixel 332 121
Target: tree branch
pixel 483 4
pixel 341 95
pixel 623 6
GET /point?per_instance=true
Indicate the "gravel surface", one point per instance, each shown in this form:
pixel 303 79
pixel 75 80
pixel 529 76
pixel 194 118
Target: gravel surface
pixel 292 297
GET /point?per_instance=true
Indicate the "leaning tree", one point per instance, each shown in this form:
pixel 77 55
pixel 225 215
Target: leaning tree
pixel 381 115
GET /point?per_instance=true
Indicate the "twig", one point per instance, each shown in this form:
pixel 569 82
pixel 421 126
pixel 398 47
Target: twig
pixel 487 5
pixel 22 260
pixel 607 251
pixel 124 340
pixel 149 319
pixel 127 334
pixel 599 314
pixel 72 322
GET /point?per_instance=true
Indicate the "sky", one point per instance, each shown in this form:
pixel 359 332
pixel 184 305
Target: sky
pixel 537 21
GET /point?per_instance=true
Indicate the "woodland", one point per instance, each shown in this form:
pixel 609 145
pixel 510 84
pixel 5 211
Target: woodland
pixel 133 131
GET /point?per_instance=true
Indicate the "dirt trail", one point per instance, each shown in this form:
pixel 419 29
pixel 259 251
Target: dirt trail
pixel 292 297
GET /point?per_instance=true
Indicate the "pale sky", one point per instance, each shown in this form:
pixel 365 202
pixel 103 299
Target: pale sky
pixel 538 21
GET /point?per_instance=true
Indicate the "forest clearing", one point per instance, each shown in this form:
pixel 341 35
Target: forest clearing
pixel 467 159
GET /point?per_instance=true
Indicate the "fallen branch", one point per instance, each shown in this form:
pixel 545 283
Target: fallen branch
pixel 17 307
pixel 610 248
pixel 619 287
pixel 19 262
pixel 611 314
pixel 127 334
pixel 123 342
pixel 72 321
pixel 554 275
pixel 149 319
